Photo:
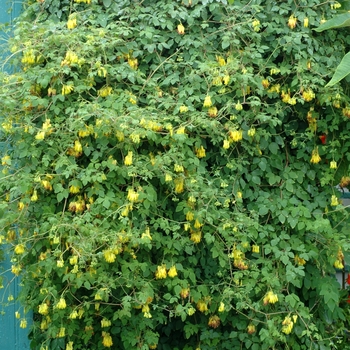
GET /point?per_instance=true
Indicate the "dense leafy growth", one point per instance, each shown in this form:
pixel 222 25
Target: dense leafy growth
pixel 171 180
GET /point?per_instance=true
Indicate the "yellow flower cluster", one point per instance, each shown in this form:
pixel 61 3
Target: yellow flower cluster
pixel 334 201
pixel 207 102
pixel 133 62
pixel 292 22
pixel 179 185
pixel 83 1
pixel 161 272
pixel 270 298
pixel 288 323
pixel 196 236
pixel 104 91
pixel 286 98
pixel 61 304
pixel 221 307
pixel 105 323
pixel 212 112
pixel 132 195
pixel 202 306
pixel 299 261
pixel 19 249
pixel 256 25
pixel 67 89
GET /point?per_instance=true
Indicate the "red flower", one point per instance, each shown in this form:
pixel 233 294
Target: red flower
pixel 348 279
pixel 323 138
pixel 348 299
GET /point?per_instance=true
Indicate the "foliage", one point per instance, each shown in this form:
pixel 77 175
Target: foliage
pixel 172 174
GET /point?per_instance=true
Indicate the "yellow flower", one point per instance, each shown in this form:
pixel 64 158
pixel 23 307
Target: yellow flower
pixel 236 135
pixel 73 315
pixel 333 164
pixel 168 178
pixel 238 106
pixel 251 132
pixel 207 102
pixel 43 309
pixel 179 185
pixel 60 263
pixel 61 333
pixel 133 62
pixel 61 304
pixel 202 306
pixel 292 22
pixel 306 22
pixel 147 234
pixel 200 152
pixel 270 298
pixel 172 272
pixel 212 112
pixel 72 21
pixel 23 323
pixel 69 345
pixel 196 236
pixel 338 264
pixel 287 325
pixel 334 201
pixel 73 260
pixel 40 135
pixel 109 256
pixel 34 196
pixel 226 79
pixel 181 29
pixel 178 168
pixel 17 314
pixel 104 91
pixel 220 60
pixel 190 311
pixel 19 249
pixel 161 272
pixel 67 89
pixel 189 216
pixel 256 25
pixel 20 206
pixel 300 261
pixel 251 328
pixel 315 157
pixel 105 322
pixel 226 144
pixel 308 95
pixel 128 158
pixel 132 195
pixel 183 109
pixel 221 307
pixel 74 189
pixel 255 249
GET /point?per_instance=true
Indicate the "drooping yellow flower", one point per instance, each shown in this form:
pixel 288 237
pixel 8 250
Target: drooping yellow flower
pixel 306 22
pixel 226 144
pixel 338 264
pixel 105 91
pixel 212 112
pixel 62 332
pixel 178 168
pixel 238 106
pixel 128 158
pixel 299 261
pixel 23 323
pixel 133 62
pixel 73 260
pixel 74 189
pixel 220 60
pixel 196 236
pixel 72 21
pixel 34 196
pixel 221 307
pixel 40 135
pixel 292 22
pixel 255 248
pixel 251 329
pixel 287 325
pixel 61 304
pixel 181 29
pixel 60 263
pixel 226 79
pixel 251 132
pixel 270 298
pixel 132 195
pixel 147 234
pixel 315 157
pixel 67 89
pixel 202 306
pixel 236 135
pixel 333 164
pixel 200 152
pixel 19 249
pixel 183 109
pixel 207 102
pixel 109 256
pixel 179 185
pixel 334 201
pixel 105 322
pixel 43 309
pixel 161 272
pixel 256 25
pixel 172 272
pixel 69 345
pixel 308 95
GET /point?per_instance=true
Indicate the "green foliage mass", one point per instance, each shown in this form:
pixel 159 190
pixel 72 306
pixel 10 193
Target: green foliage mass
pixel 171 177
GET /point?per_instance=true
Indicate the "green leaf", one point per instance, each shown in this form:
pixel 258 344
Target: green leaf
pixel 342 20
pixel 341 71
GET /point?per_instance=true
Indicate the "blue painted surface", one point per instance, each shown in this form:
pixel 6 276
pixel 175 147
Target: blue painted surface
pixel 12 337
